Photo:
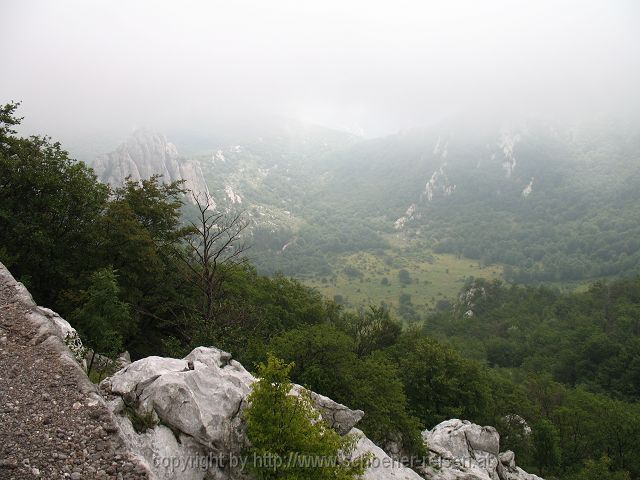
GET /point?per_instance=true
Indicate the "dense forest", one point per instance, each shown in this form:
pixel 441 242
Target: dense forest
pixel 557 374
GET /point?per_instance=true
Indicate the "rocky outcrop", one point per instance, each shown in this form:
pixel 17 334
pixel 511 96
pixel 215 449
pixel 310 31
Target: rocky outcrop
pixel 194 407
pixel 382 466
pixel 193 410
pixel 438 184
pixel 459 449
pixel 507 144
pixel 145 154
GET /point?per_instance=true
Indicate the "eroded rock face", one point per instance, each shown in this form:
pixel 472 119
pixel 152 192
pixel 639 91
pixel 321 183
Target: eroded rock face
pixel 197 412
pixel 383 467
pixel 463 450
pixel 510 471
pixel 145 154
pixel 340 418
pixel 457 438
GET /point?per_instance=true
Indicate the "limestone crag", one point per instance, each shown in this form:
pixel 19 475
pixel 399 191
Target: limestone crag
pixel 145 154
pixel 460 450
pixel 383 467
pixel 195 409
pixel 196 413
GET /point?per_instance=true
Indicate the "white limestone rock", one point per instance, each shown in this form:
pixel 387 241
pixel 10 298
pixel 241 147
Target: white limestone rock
pixel 337 416
pixel 201 406
pixel 145 154
pixel 508 459
pixel 461 450
pixel 382 466
pixel 511 471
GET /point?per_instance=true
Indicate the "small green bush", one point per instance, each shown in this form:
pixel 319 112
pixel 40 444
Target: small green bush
pixel 288 438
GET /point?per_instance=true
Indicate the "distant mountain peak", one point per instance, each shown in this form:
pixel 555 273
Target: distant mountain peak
pixel 146 153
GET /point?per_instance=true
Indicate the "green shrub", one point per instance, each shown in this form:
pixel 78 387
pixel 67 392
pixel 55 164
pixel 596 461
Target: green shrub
pixel 288 438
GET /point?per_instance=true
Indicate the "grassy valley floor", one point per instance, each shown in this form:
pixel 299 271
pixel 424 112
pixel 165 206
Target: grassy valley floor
pixel 367 278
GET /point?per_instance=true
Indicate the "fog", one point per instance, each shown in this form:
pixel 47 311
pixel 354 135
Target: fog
pixel 370 67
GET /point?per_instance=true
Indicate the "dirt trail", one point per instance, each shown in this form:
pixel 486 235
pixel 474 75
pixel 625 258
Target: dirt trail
pixel 53 425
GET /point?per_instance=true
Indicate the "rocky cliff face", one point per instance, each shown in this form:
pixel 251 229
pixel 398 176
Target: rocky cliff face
pixel 196 415
pixel 144 154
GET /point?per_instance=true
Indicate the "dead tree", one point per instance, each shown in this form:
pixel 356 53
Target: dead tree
pixel 215 243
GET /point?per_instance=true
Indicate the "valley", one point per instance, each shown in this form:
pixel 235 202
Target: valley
pixel 526 202
pixel 409 279
pixel 320 240
pixel 489 279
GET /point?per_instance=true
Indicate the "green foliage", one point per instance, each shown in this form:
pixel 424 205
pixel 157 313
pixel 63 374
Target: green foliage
pixel 288 439
pixel 568 359
pixel 141 422
pixel 378 390
pixel 404 277
pixel 323 358
pixel 440 384
pixel 546 446
pixel 581 221
pixel 140 232
pixel 48 205
pixel 430 281
pixel 591 426
pixel 599 470
pixel 326 361
pixel 566 364
pixel 589 338
pixel 58 224
pixel 256 309
pixel 372 329
pixel 103 320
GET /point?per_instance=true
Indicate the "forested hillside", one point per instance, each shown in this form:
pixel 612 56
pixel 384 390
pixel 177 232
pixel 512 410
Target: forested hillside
pixel 589 339
pixel 550 202
pixel 556 373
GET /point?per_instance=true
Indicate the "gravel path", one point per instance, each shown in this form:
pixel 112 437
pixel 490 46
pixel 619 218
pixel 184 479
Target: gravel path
pixel 52 423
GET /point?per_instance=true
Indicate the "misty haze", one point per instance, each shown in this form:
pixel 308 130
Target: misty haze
pixel 320 240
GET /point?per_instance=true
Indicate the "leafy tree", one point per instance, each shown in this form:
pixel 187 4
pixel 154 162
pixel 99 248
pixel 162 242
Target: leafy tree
pixel 378 391
pixel 140 231
pixel 372 329
pixel 323 356
pixel 439 383
pixel 103 320
pixel 588 338
pixel 288 438
pixel 48 206
pixel 326 362
pixel 599 470
pixel 404 277
pixel 546 446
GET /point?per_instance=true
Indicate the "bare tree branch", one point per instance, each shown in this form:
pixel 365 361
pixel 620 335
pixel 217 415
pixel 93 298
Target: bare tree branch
pixel 216 240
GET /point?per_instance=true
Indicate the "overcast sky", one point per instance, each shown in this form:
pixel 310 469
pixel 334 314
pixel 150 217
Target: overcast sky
pixel 376 66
